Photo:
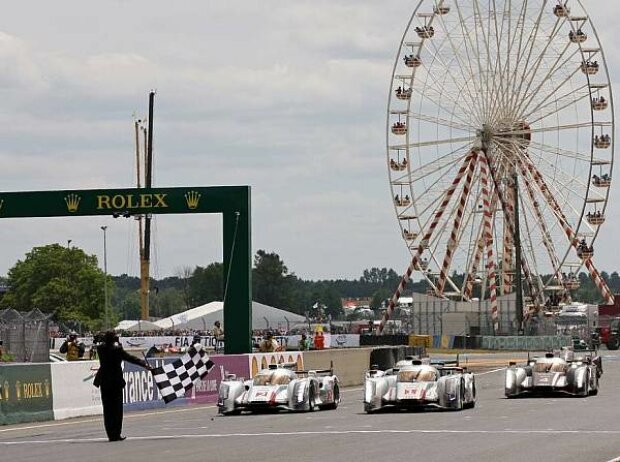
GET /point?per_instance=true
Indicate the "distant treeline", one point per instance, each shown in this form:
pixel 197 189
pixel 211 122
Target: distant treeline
pixel 273 284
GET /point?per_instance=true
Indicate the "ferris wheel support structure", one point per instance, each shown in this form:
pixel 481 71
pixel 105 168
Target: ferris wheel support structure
pixel 415 261
pixel 570 234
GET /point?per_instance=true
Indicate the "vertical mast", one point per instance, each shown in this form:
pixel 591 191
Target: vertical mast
pixel 517 239
pixel 143 287
pixel 146 249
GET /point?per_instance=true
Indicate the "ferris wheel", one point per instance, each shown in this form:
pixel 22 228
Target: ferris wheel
pixel 500 129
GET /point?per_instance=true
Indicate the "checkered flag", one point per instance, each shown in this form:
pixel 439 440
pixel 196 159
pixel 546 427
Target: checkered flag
pixel 178 377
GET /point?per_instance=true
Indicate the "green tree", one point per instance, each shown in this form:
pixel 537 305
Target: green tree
pixel 378 298
pixel 55 279
pixel 614 282
pixel 271 283
pixel 206 284
pixel 168 302
pixel 128 307
pixel 333 303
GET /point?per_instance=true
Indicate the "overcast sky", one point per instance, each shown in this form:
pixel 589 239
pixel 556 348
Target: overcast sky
pixel 287 97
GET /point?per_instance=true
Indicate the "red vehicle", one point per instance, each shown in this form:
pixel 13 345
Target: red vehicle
pixel 610 336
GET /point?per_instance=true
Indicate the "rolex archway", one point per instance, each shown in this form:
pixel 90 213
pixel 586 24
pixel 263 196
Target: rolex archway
pixel 233 202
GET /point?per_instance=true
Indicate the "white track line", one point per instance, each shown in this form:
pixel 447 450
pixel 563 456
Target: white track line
pixel 327 433
pixel 491 372
pixel 129 415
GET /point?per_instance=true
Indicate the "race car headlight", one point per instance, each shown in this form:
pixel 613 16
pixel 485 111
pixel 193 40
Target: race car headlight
pixel 224 391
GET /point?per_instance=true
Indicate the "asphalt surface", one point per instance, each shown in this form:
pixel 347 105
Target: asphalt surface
pixel 530 429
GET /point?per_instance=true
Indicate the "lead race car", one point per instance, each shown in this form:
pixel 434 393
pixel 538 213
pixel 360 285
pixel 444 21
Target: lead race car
pixel 416 383
pixel 569 372
pixel 280 387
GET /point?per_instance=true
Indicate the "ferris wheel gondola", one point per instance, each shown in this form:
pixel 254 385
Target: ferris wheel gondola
pixel 500 100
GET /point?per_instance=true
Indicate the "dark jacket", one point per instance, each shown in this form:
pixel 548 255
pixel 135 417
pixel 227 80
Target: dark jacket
pixel 110 373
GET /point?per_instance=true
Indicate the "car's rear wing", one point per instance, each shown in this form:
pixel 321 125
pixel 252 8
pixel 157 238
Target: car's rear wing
pixel 317 372
pixel 447 364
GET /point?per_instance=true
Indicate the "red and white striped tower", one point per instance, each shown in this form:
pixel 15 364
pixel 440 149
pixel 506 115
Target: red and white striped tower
pixel 473 268
pixel 511 229
pixel 488 238
pixel 415 260
pixel 458 219
pixel 568 230
pixel 600 282
pixel 507 270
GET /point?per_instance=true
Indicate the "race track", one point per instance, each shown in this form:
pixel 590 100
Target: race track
pixel 532 429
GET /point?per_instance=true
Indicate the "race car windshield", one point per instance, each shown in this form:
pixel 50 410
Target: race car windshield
pixel 272 378
pixel 551 366
pixel 420 375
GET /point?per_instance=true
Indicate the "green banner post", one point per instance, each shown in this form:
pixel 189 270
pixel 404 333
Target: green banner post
pixel 233 202
pixel 25 393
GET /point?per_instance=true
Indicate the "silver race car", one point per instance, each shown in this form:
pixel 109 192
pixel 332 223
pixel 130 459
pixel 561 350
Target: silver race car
pixel 415 383
pixel 280 387
pixel 570 372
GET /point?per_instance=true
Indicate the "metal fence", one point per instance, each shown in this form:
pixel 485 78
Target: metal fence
pixel 433 316
pixel 25 335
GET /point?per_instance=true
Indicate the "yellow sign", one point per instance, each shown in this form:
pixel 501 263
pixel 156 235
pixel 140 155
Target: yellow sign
pixel 73 202
pixel 131 201
pixel 4 391
pixel 192 198
pixel 31 390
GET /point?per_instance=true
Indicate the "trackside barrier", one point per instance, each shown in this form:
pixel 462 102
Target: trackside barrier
pixel 25 393
pixel 349 365
pixel 443 341
pixel 72 389
pixel 425 341
pixel 377 340
pixel 210 342
pixel 526 343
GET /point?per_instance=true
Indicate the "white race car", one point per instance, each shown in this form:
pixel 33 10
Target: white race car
pixel 280 387
pixel 415 383
pixel 570 372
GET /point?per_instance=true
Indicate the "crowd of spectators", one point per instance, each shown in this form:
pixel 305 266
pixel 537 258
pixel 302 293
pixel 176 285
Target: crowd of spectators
pixel 217 332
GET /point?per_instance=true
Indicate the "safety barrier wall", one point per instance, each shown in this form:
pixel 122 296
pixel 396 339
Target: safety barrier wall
pixel 73 393
pixel 526 343
pixel 349 365
pixel 388 339
pixel 25 393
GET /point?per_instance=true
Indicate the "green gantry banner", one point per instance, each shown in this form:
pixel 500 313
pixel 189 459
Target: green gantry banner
pixel 132 201
pixel 233 202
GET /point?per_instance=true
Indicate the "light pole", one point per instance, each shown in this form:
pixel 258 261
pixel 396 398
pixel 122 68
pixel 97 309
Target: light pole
pixel 105 281
pixel 69 241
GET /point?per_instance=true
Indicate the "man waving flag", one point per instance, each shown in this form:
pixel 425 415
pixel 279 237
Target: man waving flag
pixel 177 378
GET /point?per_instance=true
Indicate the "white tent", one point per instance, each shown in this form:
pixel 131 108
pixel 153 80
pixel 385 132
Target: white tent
pixel 137 326
pixel 203 317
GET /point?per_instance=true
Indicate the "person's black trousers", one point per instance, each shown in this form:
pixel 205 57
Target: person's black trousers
pixel 112 400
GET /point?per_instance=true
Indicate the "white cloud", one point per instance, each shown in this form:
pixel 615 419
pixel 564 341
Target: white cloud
pixel 287 97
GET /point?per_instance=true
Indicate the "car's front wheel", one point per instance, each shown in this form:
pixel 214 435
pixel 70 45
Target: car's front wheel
pixel 586 385
pixel 311 399
pixel 334 405
pixel 613 343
